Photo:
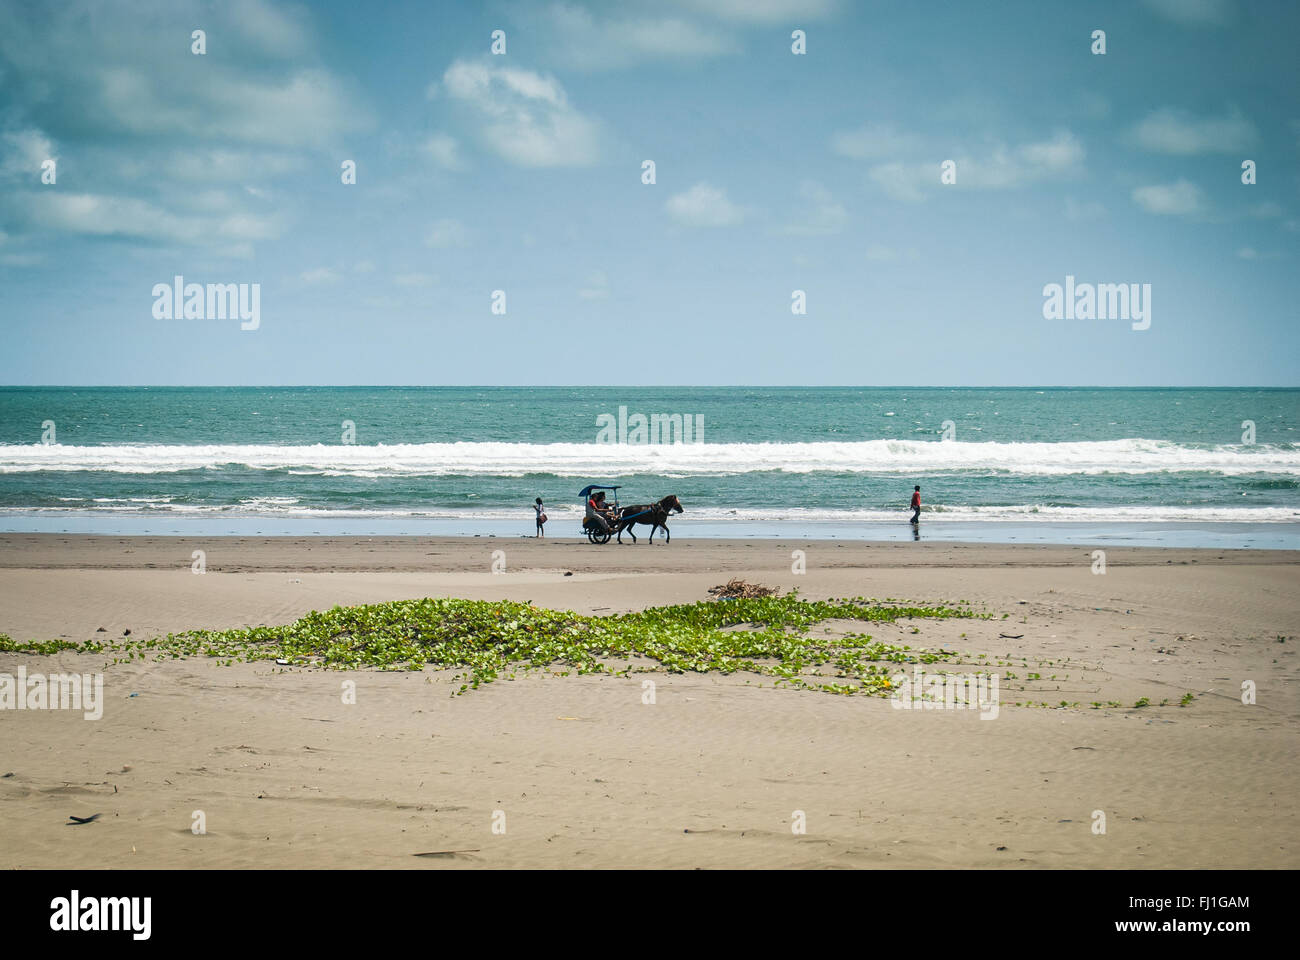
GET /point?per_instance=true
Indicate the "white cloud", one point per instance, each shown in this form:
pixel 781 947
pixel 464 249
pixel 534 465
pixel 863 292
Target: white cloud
pixel 1197 13
pixel 522 116
pixel 579 39
pixel 444 150
pixel 704 205
pixel 1063 152
pixel 993 167
pixel 276 31
pixel 318 275
pixel 212 200
pixel 766 11
pixel 217 164
pixel 364 266
pixel 1179 132
pixel 1170 199
pixel 904 181
pixel 1247 253
pixel 259 83
pixel 446 233
pixel 149 120
pixel 23 151
pixel 818 212
pixel 308 108
pixel 113 216
pixel 1003 167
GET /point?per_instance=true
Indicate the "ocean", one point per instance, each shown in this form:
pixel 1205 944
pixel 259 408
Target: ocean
pixel 1134 465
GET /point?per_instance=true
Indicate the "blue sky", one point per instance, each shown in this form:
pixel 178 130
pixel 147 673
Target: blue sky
pixel 775 172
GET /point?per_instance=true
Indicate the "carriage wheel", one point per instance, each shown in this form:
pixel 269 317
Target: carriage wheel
pixel 598 536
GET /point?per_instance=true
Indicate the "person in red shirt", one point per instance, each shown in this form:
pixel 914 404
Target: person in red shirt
pixel 916 505
pixel 597 512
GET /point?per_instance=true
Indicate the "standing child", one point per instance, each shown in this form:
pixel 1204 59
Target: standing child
pixel 541 517
pixel 916 505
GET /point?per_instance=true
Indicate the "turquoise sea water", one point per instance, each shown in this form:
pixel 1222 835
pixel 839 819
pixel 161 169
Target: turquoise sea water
pixel 472 459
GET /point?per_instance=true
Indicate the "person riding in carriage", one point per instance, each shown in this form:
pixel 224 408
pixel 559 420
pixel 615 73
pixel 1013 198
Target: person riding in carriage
pixel 598 512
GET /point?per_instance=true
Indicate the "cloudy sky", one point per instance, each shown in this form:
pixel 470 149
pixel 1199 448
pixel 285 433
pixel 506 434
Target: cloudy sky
pixel 775 172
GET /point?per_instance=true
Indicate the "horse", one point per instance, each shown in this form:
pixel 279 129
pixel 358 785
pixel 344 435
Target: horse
pixel 655 514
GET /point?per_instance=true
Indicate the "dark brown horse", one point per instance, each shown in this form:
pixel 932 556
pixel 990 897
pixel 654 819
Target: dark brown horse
pixel 655 514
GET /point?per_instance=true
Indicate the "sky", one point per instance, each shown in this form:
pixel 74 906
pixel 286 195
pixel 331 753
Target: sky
pixel 524 172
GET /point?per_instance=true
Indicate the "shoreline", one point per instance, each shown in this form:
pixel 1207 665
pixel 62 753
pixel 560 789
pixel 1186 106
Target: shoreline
pixel 1232 535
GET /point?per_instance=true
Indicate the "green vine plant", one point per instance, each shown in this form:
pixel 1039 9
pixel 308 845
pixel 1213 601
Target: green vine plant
pixel 485 640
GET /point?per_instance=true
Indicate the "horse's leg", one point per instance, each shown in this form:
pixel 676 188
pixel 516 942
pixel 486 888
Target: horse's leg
pixel 668 537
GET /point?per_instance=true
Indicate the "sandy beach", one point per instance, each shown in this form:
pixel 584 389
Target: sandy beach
pixel 581 773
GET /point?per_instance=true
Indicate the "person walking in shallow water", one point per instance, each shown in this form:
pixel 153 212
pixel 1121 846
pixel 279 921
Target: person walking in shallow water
pixel 916 506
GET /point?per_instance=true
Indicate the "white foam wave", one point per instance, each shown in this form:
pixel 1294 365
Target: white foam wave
pixel 1131 456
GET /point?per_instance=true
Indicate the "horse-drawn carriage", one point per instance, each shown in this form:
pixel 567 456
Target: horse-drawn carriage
pixel 601 521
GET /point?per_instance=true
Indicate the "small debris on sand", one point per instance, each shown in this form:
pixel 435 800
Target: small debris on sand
pixel 741 588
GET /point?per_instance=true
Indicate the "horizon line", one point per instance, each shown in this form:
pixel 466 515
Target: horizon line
pixel 640 386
